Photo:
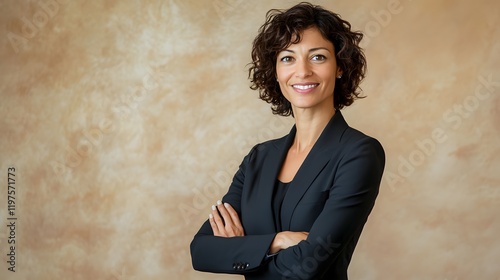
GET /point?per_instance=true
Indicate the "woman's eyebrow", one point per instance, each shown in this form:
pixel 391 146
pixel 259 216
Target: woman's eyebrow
pixel 320 48
pixel 310 50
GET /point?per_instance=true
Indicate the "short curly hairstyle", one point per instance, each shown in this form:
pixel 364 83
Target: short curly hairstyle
pixel 277 33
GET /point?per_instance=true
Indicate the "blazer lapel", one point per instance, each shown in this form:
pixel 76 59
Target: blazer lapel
pixel 315 161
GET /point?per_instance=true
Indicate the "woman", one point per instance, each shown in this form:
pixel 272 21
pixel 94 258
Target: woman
pixel 297 205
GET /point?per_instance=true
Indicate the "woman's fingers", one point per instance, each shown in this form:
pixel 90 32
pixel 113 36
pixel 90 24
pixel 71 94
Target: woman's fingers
pixel 218 222
pixel 215 229
pixel 234 227
pixel 285 239
pixel 292 238
pixel 225 221
pixel 228 221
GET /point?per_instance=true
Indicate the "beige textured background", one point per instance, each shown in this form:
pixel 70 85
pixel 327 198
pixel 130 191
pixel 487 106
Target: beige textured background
pixel 126 119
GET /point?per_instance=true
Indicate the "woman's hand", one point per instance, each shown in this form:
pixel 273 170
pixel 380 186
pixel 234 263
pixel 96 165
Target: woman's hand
pixel 229 224
pixel 285 239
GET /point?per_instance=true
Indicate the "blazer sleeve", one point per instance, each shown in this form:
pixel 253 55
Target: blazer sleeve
pixel 350 201
pixel 235 255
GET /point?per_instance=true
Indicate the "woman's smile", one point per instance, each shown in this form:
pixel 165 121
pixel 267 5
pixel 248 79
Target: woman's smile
pixel 305 87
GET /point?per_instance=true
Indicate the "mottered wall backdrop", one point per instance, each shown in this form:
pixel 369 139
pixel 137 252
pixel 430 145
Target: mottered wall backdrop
pixel 122 122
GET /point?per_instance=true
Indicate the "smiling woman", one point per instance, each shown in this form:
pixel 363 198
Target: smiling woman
pixel 283 29
pixel 297 205
pixel 308 67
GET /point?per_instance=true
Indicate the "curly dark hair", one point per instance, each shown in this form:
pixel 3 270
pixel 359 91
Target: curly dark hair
pixel 276 34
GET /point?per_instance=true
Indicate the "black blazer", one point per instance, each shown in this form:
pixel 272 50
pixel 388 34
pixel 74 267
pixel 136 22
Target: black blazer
pixel 330 197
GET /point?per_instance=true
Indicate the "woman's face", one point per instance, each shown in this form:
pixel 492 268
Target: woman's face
pixel 307 71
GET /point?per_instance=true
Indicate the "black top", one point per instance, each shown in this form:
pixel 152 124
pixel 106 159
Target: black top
pixel 278 197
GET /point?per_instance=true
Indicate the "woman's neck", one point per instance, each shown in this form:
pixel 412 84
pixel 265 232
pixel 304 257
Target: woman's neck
pixel 309 127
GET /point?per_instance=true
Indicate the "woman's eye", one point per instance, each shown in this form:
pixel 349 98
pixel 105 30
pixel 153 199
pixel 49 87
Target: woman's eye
pixel 286 59
pixel 319 57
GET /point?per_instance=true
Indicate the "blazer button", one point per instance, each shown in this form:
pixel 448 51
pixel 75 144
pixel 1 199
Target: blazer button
pixel 235 267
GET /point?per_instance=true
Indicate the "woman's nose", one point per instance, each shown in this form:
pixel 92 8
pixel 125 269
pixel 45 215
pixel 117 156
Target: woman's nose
pixel 303 69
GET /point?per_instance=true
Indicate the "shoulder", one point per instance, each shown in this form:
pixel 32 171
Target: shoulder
pixel 355 142
pixel 268 146
pixel 342 138
pixel 352 136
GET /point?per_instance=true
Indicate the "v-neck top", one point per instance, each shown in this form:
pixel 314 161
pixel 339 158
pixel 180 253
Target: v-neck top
pixel 278 196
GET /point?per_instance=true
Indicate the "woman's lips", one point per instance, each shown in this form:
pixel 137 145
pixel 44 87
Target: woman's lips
pixel 305 88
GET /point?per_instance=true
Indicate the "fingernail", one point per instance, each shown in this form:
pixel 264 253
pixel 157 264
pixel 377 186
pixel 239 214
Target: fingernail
pixel 210 216
pixel 226 205
pixel 213 208
pixel 219 202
